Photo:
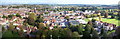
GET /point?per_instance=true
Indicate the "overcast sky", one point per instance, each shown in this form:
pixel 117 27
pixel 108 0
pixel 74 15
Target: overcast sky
pixel 59 1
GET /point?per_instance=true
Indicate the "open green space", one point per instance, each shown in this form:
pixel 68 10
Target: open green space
pixel 113 21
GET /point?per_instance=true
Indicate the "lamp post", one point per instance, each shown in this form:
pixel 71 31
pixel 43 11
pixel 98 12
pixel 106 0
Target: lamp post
pixel 50 36
pixel 58 37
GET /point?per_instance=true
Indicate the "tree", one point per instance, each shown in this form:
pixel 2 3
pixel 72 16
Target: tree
pixel 41 26
pixel 46 12
pixel 39 20
pixel 86 35
pixel 49 32
pixel 94 15
pixel 11 26
pixel 80 29
pixel 73 28
pixel 75 35
pixel 117 32
pixel 94 34
pixel 83 9
pixel 91 22
pixel 56 33
pixel 66 33
pixel 112 16
pixel 118 16
pixel 3 29
pixel 67 17
pixel 103 33
pixel 31 19
pixel 10 16
pixel 88 16
pixel 99 16
pixel 9 33
pixel 43 36
pixel 40 16
pixel 88 28
pixel 4 16
pixel 62 33
pixel 87 32
pixel 18 15
pixel 106 14
pixel 39 33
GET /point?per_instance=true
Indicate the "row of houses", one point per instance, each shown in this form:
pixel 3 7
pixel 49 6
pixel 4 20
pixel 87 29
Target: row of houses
pixel 104 25
pixel 59 18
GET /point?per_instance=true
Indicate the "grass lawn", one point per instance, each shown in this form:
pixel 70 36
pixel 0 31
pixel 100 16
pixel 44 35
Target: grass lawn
pixel 109 32
pixel 113 21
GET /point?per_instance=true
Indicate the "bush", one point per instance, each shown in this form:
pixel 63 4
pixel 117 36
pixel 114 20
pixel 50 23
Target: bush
pixel 88 16
pixel 94 15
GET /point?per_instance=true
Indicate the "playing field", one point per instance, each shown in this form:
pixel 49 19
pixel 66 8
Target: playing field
pixel 113 21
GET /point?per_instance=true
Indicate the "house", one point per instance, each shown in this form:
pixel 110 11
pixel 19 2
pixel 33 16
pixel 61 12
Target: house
pixel 1 15
pixel 62 24
pixel 74 22
pixel 106 26
pixel 50 27
pixel 81 21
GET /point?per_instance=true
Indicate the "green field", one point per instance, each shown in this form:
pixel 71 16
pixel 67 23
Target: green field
pixel 113 21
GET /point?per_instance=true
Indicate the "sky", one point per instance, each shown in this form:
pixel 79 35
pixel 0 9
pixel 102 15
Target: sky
pixel 107 2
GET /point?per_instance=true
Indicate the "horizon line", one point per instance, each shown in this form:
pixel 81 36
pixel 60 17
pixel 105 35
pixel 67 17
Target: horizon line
pixel 58 4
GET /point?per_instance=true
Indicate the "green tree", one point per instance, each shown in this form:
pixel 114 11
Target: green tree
pixel 46 12
pixel 66 33
pixel 118 16
pixel 10 33
pixel 67 17
pixel 94 15
pixel 73 28
pixel 11 26
pixel 91 22
pixel 88 16
pixel 106 14
pixel 39 20
pixel 31 19
pixel 112 16
pixel 75 35
pixel 18 15
pixel 56 33
pixel 80 29
pixel 41 26
pixel 4 16
pixel 117 32
pixel 86 35
pixel 88 28
pixel 94 34
pixel 39 33
pixel 3 29
pixel 87 32
pixel 99 16
pixel 103 33
pixel 49 32
pixel 10 16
